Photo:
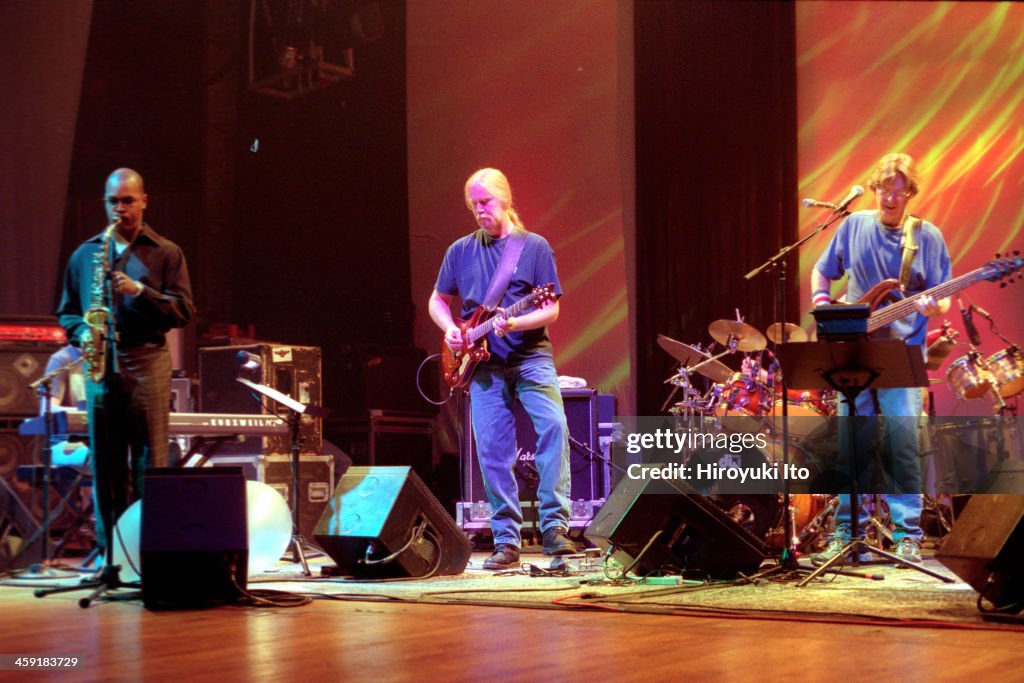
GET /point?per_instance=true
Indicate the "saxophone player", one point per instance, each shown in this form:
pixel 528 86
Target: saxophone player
pixel 133 282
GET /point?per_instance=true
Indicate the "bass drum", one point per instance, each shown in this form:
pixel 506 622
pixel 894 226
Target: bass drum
pixel 760 510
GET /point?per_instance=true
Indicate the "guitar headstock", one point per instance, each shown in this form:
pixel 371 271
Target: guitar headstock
pixel 542 294
pixel 1003 268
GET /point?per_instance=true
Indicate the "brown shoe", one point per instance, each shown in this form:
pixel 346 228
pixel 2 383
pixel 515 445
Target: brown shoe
pixel 504 556
pixel 556 542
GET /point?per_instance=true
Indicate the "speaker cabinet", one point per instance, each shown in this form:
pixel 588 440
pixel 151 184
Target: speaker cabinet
pixel 383 522
pixel 22 363
pixel 194 548
pixel 292 370
pixel 986 548
pixel 695 534
pixel 590 477
pixel 16 520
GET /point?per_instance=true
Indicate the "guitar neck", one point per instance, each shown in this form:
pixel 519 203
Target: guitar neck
pixel 486 327
pixel 894 312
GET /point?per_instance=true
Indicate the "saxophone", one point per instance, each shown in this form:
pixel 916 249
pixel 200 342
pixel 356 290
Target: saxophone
pixel 94 347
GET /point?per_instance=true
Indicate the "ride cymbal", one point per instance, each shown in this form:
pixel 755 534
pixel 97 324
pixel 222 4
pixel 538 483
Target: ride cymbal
pixel 748 338
pixel 782 333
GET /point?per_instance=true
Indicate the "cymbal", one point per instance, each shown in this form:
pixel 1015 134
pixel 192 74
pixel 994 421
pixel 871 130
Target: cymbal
pixel 786 332
pixel 749 338
pixel 716 371
pixel 684 353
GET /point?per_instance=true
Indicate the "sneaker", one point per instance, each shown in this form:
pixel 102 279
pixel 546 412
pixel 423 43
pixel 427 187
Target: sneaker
pixel 908 550
pixel 556 542
pixel 834 547
pixel 504 556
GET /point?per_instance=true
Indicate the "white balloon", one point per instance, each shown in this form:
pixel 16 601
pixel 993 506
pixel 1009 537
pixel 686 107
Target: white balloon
pixel 127 535
pixel 268 523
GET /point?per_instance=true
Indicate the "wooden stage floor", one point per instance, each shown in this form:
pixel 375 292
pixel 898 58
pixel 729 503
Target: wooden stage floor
pixel 384 639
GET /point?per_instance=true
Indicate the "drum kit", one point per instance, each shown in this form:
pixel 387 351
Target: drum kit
pixel 753 393
pixel 751 401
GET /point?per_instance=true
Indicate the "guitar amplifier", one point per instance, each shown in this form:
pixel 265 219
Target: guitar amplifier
pixel 590 477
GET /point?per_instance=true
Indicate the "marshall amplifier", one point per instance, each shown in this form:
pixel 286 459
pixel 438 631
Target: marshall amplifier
pixel 590 480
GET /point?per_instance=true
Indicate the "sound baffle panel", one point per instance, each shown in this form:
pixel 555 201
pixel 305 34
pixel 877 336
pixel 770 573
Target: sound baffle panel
pixel 695 534
pixel 292 370
pixel 377 512
pixel 194 548
pixel 986 548
pixel 22 363
pixel 590 477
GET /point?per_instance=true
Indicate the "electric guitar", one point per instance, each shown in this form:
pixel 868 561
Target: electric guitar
pixel 991 271
pixel 458 366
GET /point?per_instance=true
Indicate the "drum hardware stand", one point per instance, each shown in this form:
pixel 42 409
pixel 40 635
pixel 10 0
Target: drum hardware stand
pixel 851 367
pixel 294 420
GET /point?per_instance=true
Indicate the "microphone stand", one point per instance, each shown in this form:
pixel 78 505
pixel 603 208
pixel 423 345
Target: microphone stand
pixel 788 561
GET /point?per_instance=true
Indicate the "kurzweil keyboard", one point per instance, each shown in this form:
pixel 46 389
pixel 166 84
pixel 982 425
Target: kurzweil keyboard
pixel 76 423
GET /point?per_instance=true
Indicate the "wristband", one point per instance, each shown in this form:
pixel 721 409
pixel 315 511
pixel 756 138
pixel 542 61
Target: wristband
pixel 821 298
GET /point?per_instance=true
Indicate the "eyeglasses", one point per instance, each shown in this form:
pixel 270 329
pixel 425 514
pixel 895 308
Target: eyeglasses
pixel 893 194
pixel 127 201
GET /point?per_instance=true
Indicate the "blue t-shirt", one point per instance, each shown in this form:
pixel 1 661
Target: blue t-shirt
pixel 466 272
pixel 871 252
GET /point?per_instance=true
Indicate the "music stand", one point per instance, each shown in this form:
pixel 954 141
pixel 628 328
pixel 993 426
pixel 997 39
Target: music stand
pixel 294 420
pixel 850 367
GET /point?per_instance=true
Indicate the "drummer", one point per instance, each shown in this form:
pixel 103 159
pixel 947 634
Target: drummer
pixel 868 246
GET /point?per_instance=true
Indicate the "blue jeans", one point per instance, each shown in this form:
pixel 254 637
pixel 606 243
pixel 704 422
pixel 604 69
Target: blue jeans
pixel 493 389
pixel 901 442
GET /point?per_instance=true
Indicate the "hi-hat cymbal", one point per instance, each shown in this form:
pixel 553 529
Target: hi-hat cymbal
pixel 781 333
pixel 716 371
pixel 749 339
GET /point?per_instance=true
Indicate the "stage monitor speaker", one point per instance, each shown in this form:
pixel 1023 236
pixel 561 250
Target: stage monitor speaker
pixel 986 548
pixel 383 522
pixel 194 548
pixel 696 535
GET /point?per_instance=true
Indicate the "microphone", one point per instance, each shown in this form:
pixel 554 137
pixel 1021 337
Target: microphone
pixel 818 205
pixel 855 191
pixel 248 361
pixel 982 312
pixel 972 331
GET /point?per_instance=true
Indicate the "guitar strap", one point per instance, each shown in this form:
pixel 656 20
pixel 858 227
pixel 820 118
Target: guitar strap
pixel 506 266
pixel 911 231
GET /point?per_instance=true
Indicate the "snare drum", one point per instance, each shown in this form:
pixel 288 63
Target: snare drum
pixel 969 378
pixel 1007 368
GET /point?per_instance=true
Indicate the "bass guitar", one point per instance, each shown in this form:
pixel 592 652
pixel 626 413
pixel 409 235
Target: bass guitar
pixel 991 271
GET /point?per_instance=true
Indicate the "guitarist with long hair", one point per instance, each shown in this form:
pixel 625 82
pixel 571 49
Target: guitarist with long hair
pixel 869 246
pixel 512 359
